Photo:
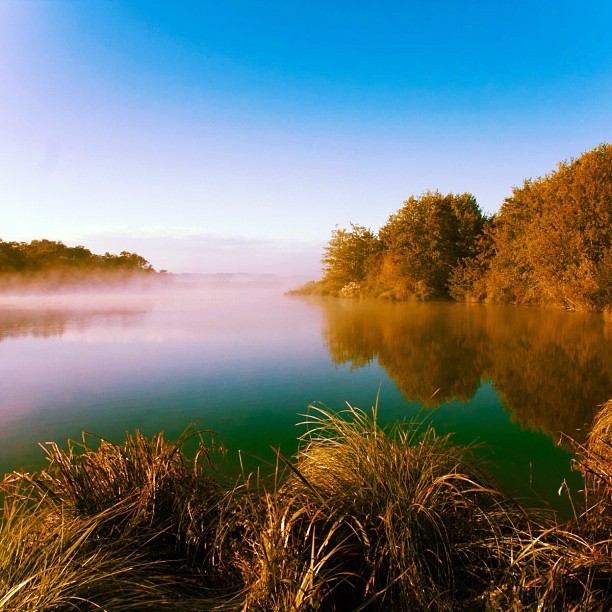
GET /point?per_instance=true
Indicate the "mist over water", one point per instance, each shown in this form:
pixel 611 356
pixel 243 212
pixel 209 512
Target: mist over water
pixel 188 350
pixel 236 355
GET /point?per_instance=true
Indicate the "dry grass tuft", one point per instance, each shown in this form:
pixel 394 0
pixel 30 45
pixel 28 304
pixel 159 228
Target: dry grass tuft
pixel 363 517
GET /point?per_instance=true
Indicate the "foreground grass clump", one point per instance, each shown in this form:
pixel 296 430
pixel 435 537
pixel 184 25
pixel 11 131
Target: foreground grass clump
pixel 112 526
pixel 362 518
pixel 596 465
pixel 569 566
pixel 398 519
pixel 54 561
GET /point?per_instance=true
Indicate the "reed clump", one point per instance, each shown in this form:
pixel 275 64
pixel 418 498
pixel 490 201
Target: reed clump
pixel 54 561
pixel 112 526
pixel 596 465
pixel 362 517
pixel 397 519
pixel 568 566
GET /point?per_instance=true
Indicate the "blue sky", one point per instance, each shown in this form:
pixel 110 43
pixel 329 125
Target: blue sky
pixel 234 136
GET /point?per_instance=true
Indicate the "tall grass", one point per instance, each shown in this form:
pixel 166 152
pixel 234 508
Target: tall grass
pixel 111 526
pixel 571 563
pixel 596 466
pixel 400 519
pixel 53 561
pixel 362 517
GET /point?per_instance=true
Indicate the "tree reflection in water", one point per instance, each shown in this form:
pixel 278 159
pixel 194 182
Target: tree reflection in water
pixel 54 322
pixel 551 368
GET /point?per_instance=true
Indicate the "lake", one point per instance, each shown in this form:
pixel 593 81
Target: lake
pixel 245 360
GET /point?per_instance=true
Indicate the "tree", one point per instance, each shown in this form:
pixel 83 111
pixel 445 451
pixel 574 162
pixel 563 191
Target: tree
pixel 12 258
pixel 467 280
pixel 552 240
pixel 43 256
pixel 346 257
pixel 423 242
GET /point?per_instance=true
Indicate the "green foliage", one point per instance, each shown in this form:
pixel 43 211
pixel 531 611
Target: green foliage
pixel 346 257
pixel 12 257
pixel 43 256
pixel 125 261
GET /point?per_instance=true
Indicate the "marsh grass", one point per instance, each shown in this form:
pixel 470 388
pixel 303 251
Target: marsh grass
pixel 51 560
pixel 362 517
pixel 570 564
pixel 112 526
pixel 596 466
pixel 415 522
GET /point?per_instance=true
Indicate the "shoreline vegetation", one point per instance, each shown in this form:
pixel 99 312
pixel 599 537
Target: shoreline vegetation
pixel 48 264
pixel 362 518
pixel 549 244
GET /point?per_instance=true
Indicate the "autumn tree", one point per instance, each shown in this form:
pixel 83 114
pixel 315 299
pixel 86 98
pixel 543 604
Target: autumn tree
pixel 422 243
pixel 550 243
pixel 552 239
pixel 467 280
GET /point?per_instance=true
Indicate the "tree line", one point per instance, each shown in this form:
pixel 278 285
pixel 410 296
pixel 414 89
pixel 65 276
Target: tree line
pixel 43 256
pixel 550 243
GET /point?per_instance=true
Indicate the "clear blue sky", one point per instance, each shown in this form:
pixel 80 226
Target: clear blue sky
pixel 234 135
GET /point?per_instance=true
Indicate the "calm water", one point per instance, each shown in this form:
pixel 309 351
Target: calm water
pixel 247 361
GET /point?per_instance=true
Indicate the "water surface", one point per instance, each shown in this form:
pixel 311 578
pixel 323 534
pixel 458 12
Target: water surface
pixel 247 361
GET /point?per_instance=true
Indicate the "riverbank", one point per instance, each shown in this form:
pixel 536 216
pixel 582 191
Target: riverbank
pixel 361 518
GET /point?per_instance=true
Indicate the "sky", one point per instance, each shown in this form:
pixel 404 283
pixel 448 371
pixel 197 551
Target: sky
pixel 234 136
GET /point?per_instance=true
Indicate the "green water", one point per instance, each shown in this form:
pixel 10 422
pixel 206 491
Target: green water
pixel 248 361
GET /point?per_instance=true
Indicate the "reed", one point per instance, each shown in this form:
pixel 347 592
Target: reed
pixel 140 513
pixel 51 560
pixel 363 517
pixel 595 462
pixel 569 566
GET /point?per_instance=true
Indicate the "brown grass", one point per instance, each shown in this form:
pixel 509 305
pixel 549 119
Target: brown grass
pixel 363 517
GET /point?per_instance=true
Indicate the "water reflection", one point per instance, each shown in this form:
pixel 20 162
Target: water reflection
pixel 247 363
pixel 24 323
pixel 240 360
pixel 551 368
